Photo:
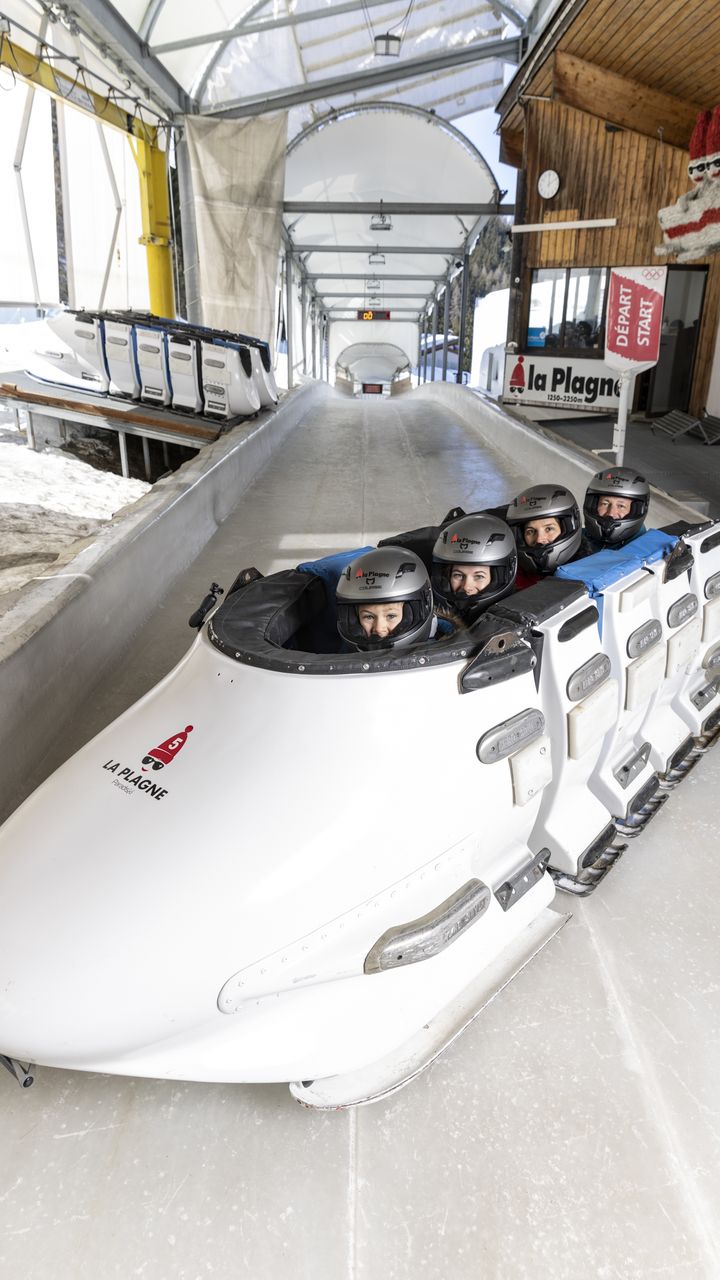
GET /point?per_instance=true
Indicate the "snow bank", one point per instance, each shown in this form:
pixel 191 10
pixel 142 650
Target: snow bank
pixel 48 502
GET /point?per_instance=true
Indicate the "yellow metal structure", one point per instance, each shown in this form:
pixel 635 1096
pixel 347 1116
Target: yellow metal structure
pixel 157 230
pixel 143 138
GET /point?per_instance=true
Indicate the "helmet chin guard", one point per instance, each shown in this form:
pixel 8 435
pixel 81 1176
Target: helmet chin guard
pixel 616 482
pixel 386 576
pixel 544 501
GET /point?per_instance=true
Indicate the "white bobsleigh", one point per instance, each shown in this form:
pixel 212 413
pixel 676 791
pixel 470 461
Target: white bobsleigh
pixel 190 368
pixel 282 865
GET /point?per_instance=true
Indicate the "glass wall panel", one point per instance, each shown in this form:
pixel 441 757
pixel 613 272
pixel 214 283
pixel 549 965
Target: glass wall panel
pixel 16 281
pixel 547 301
pixel 93 215
pixel 585 309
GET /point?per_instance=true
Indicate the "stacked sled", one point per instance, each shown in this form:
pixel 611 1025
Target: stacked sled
pixel 186 367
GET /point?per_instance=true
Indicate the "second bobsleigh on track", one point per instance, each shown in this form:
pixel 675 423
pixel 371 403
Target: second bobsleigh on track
pixel 288 865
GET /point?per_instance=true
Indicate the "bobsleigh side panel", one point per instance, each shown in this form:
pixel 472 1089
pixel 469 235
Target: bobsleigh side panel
pixel 152 888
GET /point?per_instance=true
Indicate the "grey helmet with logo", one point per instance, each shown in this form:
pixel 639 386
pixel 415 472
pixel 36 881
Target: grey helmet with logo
pixel 537 503
pixel 385 576
pixel 616 482
pixel 480 540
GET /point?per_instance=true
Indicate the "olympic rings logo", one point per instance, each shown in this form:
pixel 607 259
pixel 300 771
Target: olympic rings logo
pixel 653 273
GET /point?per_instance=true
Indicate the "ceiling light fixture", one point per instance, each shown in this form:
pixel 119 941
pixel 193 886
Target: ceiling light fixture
pixel 381 221
pixel 387 46
pixel 376 259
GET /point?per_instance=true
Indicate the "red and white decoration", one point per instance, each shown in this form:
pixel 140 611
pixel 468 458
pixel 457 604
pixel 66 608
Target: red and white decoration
pixel 691 226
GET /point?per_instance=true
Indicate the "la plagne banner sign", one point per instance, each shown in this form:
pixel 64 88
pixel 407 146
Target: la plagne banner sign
pixel 560 382
pixel 634 318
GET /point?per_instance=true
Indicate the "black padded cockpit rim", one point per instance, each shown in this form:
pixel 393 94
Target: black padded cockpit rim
pixel 253 624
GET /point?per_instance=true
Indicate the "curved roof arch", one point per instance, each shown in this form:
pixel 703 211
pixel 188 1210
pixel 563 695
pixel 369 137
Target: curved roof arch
pixel 339 163
pixel 373 361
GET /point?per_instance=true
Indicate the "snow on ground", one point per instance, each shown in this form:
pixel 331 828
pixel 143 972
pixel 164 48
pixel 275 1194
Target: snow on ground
pixel 49 501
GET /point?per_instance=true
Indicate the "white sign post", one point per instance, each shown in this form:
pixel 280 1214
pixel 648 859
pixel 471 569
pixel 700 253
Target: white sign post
pixel 634 320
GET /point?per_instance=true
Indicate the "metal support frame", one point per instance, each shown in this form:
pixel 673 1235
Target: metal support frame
pixel 434 335
pixel 62 196
pixel 446 329
pixel 156 237
pixel 246 28
pixel 17 166
pixel 425 345
pixel 118 214
pixel 421 208
pixel 304 310
pixel 352 312
pixel 365 275
pixel 122 441
pixel 143 138
pixel 313 330
pixel 288 315
pixel 102 23
pixel 463 310
pixel 446 251
pixel 146 458
pixel 405 69
pixel 407 297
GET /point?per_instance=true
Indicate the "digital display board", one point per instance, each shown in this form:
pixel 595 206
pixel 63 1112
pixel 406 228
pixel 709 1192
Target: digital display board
pixel 373 315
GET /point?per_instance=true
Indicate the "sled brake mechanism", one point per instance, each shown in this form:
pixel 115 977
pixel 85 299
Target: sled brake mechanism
pixel 22 1074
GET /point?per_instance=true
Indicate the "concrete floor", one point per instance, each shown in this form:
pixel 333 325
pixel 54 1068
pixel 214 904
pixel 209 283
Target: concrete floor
pixel 573 1131
pixel 684 467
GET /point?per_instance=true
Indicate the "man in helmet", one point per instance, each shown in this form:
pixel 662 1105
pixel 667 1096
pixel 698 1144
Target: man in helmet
pixel 616 504
pixel 545 520
pixel 474 564
pixel 384 600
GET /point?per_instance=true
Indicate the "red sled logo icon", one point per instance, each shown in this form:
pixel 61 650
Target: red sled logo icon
pixel 167 751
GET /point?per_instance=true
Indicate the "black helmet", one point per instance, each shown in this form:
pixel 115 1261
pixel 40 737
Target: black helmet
pixel 386 576
pixel 545 500
pixel 480 540
pixel 616 482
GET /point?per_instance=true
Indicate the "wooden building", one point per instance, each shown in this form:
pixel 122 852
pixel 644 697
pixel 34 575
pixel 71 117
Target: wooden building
pixel 598 119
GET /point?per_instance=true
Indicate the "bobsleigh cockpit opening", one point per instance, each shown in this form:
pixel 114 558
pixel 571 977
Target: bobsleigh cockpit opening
pixel 272 623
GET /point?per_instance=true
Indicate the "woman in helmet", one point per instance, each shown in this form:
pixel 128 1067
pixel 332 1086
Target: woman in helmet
pixel 616 504
pixel 474 564
pixel 546 522
pixel 384 600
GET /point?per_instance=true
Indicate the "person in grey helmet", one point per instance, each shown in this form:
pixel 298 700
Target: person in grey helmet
pixel 545 520
pixel 384 600
pixel 474 564
pixel 615 507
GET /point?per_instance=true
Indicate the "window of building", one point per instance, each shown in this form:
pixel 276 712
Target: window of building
pixel 567 310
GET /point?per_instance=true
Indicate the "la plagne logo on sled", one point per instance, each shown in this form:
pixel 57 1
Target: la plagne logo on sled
pixel 158 757
pixel 129 780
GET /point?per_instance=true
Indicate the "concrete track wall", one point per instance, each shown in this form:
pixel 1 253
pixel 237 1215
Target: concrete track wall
pixel 544 455
pixel 82 618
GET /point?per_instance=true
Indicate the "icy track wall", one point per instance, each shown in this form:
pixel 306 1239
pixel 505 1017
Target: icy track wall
pixel 63 632
pixel 544 456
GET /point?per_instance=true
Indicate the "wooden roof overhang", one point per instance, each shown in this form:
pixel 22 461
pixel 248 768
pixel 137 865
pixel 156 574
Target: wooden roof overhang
pixel 646 65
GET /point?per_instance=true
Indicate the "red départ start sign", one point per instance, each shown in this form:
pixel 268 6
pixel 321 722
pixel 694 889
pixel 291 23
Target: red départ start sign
pixel 634 317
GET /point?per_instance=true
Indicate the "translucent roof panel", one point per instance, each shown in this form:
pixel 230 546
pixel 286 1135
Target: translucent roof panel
pixel 228 52
pixel 394 154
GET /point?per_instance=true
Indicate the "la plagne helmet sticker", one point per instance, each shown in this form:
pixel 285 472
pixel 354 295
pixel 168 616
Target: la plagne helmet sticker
pixel 129 780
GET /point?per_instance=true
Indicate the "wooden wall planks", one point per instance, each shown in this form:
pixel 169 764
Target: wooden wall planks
pixel 622 175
